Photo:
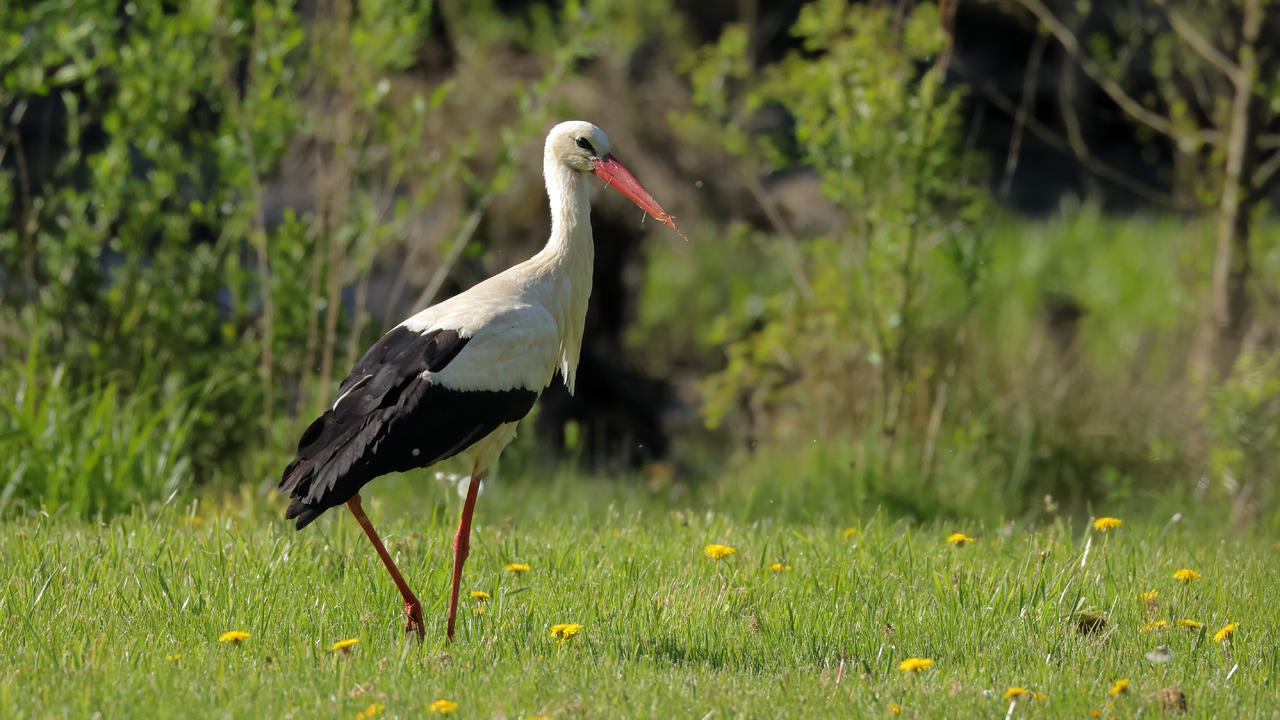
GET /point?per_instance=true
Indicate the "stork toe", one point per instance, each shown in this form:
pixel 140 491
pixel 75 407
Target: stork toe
pixel 413 619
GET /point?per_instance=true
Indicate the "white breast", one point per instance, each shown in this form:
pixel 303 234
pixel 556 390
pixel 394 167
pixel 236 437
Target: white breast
pixel 513 342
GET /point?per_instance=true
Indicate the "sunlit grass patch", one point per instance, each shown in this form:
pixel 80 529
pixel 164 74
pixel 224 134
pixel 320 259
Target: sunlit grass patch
pixel 625 602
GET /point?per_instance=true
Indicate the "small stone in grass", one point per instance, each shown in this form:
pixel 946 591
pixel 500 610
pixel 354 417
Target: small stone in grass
pixel 1171 699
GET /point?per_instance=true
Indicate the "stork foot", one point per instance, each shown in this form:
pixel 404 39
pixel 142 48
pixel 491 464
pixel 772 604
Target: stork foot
pixel 413 618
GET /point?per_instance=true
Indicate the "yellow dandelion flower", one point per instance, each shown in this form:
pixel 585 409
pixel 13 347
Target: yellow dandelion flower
pixel 1156 625
pixel 443 707
pixel 1016 692
pixel 477 611
pixel 1121 686
pixel 479 595
pixel 1095 713
pixel 716 552
pixel 1226 632
pixel 1104 524
pixel 895 708
pixel 1186 575
pixel 1191 624
pixel 373 709
pixel 958 539
pixel 233 636
pixel 850 531
pixel 565 631
pixel 1147 596
pixel 779 567
pixel 516 568
pixel 344 645
pixel 173 657
pixel 915 664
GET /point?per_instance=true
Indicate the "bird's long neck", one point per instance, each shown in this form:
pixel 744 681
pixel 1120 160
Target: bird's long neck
pixel 564 266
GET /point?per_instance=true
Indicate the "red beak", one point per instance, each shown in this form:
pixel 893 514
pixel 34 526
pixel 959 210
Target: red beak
pixel 614 174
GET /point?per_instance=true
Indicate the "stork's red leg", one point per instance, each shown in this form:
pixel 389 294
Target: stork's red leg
pixel 412 608
pixel 462 544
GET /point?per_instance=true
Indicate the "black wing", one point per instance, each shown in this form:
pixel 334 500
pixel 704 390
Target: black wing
pixel 389 418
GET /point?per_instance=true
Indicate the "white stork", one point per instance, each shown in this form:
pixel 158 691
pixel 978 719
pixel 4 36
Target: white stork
pixel 457 377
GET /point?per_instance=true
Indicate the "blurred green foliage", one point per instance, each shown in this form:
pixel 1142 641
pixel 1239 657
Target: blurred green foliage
pixel 193 191
pixel 858 326
pixel 122 242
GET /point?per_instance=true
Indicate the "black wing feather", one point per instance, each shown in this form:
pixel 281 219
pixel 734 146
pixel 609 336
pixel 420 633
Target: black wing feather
pixel 389 418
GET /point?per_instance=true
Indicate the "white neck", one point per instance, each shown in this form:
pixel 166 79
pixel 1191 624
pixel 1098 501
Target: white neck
pixel 563 267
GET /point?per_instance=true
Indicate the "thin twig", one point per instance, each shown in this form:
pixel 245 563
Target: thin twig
pixel 795 259
pixel 1052 138
pixel 1071 121
pixel 1265 171
pixel 358 315
pixel 460 241
pixel 1029 78
pixel 383 206
pixel 27 215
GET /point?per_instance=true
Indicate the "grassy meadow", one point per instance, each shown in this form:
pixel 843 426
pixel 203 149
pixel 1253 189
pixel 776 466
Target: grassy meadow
pixel 803 619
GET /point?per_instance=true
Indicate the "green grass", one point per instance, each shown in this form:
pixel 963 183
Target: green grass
pixel 90 612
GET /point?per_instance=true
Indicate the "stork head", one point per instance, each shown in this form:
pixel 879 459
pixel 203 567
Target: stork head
pixel 583 147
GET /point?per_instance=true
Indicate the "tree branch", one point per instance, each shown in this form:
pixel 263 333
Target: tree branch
pixel 1201 45
pixel 1125 101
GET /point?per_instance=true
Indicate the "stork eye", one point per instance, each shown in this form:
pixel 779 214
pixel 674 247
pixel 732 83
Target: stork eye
pixel 582 143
